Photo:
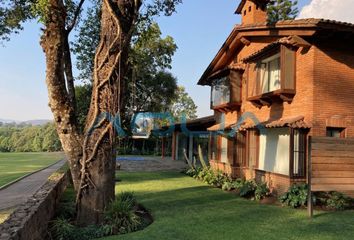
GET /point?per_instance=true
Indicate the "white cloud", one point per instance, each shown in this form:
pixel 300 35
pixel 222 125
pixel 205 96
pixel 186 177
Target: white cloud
pixel 329 9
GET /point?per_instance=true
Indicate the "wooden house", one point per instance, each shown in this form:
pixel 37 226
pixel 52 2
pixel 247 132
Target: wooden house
pixel 274 86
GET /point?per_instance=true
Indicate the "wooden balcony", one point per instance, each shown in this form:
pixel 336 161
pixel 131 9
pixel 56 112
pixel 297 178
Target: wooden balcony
pixel 267 99
pixel 227 107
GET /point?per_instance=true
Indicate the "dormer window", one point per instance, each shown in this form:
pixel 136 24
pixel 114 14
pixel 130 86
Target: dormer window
pixel 226 90
pixel 220 92
pixel 272 75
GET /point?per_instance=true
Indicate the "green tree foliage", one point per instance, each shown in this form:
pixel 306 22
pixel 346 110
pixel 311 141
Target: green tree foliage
pixel 27 138
pixel 12 16
pixel 279 10
pixel 87 40
pixel 149 87
pixel 183 105
pixel 83 98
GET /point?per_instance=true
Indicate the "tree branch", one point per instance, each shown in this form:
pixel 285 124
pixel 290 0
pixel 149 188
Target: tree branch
pixel 76 15
pixel 69 73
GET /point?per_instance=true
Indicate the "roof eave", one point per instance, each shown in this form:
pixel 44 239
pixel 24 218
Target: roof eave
pixel 232 37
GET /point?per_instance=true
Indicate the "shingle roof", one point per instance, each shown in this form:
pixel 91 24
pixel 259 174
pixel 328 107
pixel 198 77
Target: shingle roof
pixel 309 23
pixel 221 126
pixel 296 22
pixel 294 41
pixel 292 122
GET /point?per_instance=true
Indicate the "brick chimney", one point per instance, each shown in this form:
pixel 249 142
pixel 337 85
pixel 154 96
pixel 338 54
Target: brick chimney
pixel 252 11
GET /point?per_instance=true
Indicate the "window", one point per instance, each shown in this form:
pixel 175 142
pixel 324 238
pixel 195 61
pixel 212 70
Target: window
pixel 335 132
pixel 273 76
pixel 269 71
pixel 220 92
pixel 249 8
pixel 244 13
pixel 298 167
pixel 274 149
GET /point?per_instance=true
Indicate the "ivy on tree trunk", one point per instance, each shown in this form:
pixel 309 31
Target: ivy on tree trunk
pixel 91 156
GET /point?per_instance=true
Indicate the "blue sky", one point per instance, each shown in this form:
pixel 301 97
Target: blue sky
pixel 199 28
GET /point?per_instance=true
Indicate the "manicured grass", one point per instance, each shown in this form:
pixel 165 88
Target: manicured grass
pixel 15 165
pixel 184 208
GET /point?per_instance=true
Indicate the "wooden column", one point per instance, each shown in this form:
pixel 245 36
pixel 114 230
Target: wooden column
pixel 309 172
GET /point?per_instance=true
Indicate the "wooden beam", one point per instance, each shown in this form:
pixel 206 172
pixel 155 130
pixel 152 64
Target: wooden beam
pixel 265 101
pixel 256 103
pixel 245 41
pixel 286 98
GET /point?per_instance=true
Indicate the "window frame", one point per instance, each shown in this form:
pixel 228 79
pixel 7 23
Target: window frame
pixel 301 151
pixel 255 133
pixel 232 80
pixel 226 85
pixel 267 70
pixel 342 133
pixel 287 73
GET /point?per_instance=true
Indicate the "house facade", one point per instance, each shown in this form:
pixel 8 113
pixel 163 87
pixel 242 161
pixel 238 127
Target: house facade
pixel 273 86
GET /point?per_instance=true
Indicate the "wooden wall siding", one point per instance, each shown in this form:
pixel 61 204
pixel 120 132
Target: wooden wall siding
pixel 235 79
pixel 288 64
pixel 332 164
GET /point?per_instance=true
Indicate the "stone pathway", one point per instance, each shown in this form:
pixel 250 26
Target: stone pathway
pixel 150 164
pixel 20 191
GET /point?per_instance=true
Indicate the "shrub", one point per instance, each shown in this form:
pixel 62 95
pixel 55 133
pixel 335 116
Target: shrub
pixel 248 188
pixel 191 172
pixel 219 179
pixel 295 197
pixel 261 191
pixel 238 183
pixel 338 201
pixel 121 214
pixel 203 173
pixel 208 176
pixel 227 186
pixel 62 229
pixel 120 217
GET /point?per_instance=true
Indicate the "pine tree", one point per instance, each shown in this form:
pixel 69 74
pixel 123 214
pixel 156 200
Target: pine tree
pixel 279 10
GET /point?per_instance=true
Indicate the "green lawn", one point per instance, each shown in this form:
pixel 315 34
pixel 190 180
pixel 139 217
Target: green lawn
pixel 15 165
pixel 184 208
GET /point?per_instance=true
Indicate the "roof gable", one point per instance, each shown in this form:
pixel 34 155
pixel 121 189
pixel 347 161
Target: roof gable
pixel 300 27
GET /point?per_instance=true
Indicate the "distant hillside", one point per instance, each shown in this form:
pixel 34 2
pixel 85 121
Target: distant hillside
pixel 8 121
pixel 35 122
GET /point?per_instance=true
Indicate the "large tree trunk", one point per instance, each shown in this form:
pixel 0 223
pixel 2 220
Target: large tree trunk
pixel 91 157
pixel 98 164
pixel 53 44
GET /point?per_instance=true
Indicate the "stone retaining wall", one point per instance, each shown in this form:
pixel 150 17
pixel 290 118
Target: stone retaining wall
pixel 30 220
